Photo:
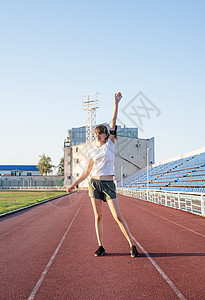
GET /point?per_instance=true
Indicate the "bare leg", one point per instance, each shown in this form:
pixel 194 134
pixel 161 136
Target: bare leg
pixel 115 210
pixel 97 209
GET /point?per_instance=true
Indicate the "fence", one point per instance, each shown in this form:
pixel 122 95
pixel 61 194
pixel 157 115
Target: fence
pixel 192 202
pixel 34 182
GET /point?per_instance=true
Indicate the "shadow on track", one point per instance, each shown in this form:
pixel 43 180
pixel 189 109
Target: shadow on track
pixel 175 254
pixel 66 200
pixel 108 254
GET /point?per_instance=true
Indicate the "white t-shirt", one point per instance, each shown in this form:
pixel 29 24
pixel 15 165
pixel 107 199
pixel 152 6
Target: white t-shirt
pixel 104 158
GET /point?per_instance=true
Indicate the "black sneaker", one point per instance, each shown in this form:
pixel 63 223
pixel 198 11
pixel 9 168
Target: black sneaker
pixel 134 252
pixel 100 251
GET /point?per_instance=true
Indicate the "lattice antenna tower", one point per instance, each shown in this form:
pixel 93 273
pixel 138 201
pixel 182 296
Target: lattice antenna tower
pixel 90 104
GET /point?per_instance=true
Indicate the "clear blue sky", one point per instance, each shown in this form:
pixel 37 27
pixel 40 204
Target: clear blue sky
pixel 53 52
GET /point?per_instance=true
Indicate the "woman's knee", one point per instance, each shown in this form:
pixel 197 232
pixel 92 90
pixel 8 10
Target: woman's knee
pixel 98 217
pixel 118 218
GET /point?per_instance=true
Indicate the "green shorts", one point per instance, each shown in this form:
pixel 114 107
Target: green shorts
pixel 102 189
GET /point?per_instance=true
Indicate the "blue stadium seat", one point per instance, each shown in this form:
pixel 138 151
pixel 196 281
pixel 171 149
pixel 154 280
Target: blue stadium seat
pixel 187 174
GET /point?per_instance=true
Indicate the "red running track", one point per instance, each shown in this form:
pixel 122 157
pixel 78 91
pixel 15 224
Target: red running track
pixel 47 252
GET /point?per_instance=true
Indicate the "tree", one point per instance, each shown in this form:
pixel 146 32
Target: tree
pixel 44 165
pixel 61 167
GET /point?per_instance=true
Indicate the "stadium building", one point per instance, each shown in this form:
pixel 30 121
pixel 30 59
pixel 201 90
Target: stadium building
pixel 27 177
pixel 130 153
pixel 19 170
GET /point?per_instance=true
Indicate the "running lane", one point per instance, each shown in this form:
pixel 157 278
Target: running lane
pixel 28 239
pixel 172 266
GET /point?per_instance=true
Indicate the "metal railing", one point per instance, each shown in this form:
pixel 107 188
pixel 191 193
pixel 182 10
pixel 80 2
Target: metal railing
pixel 34 182
pixel 191 202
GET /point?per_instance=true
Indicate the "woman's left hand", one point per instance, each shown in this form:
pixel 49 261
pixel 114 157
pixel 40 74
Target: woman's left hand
pixel 118 97
pixel 70 188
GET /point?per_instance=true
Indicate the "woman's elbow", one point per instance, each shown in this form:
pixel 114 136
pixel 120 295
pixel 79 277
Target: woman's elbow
pixel 86 174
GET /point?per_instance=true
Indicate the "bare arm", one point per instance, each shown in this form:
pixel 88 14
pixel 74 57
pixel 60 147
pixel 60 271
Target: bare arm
pixel 82 177
pixel 117 98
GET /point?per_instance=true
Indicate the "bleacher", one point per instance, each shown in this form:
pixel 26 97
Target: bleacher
pixel 186 174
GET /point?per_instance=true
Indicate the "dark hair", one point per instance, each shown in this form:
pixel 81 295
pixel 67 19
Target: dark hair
pixel 101 129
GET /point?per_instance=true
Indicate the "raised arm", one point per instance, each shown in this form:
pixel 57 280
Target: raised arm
pixel 117 98
pixel 82 177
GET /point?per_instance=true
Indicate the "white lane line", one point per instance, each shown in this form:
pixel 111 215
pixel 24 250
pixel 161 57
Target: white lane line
pixel 169 220
pixel 39 282
pixel 24 223
pixel 165 277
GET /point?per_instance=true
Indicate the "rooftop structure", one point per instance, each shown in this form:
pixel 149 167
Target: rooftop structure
pixel 78 135
pixel 18 170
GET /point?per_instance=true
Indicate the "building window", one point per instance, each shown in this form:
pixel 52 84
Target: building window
pixel 68 177
pixel 29 174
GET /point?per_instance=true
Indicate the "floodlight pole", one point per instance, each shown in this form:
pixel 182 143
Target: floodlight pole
pixel 90 104
pixel 148 174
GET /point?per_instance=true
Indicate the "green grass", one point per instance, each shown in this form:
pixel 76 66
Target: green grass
pixel 11 200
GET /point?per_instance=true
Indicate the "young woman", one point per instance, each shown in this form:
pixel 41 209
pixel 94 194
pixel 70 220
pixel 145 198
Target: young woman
pixel 101 185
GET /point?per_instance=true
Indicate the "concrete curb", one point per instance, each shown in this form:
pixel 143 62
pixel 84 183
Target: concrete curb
pixel 31 205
